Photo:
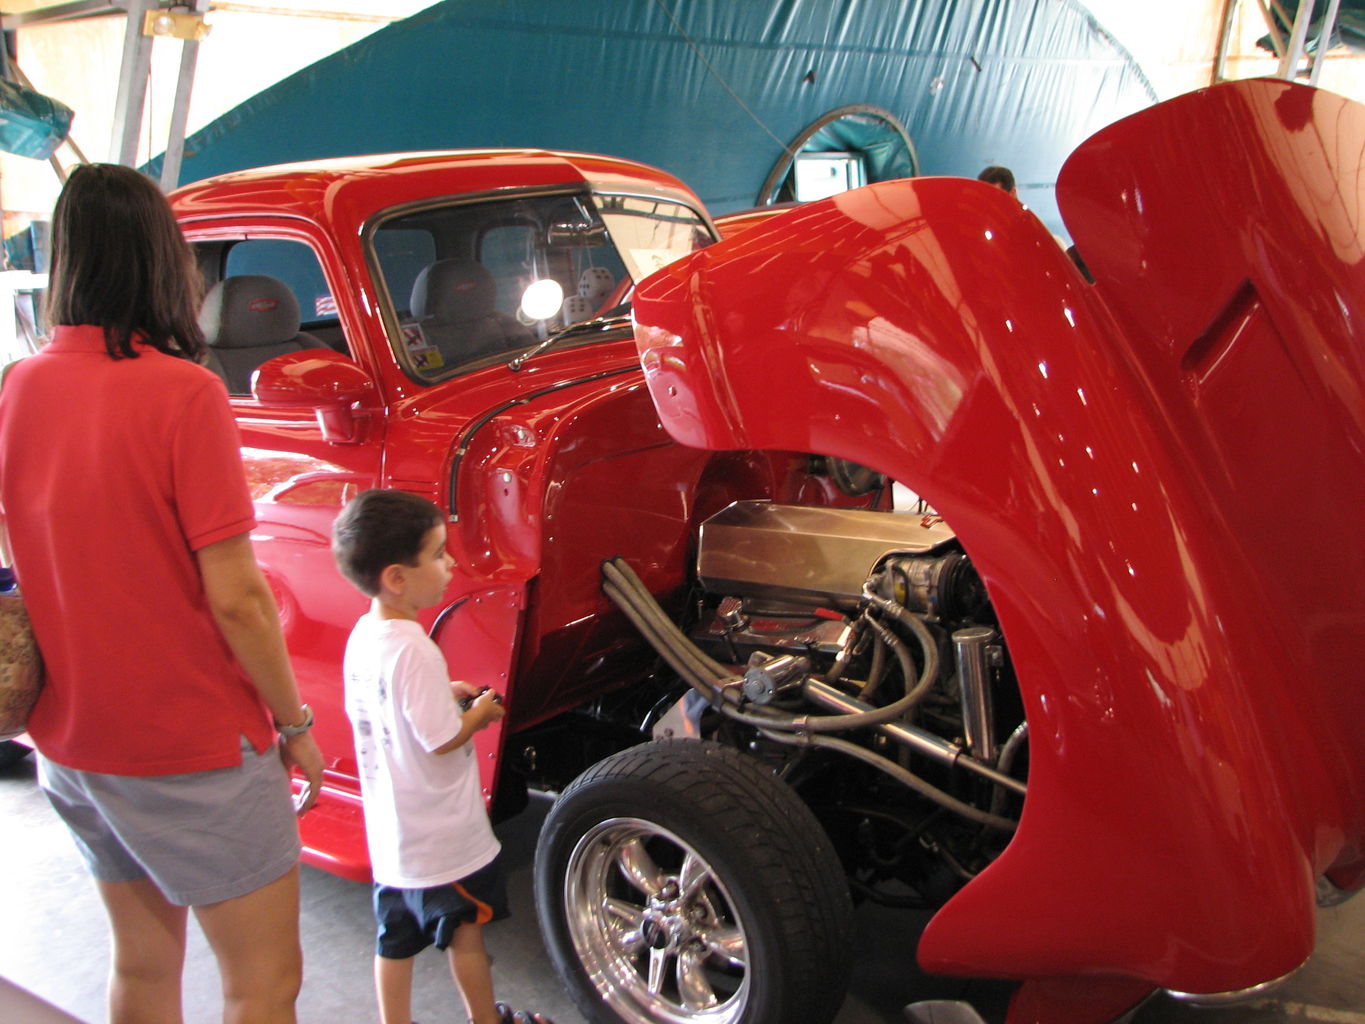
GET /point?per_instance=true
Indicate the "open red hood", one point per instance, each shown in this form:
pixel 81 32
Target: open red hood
pixel 1160 477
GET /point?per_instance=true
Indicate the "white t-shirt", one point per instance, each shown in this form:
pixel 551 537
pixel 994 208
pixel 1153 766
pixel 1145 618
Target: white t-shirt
pixel 425 820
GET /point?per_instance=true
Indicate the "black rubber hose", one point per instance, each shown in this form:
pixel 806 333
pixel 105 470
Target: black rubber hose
pixel 876 672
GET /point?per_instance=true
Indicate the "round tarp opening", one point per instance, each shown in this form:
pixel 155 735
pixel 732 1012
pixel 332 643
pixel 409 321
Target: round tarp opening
pixel 845 148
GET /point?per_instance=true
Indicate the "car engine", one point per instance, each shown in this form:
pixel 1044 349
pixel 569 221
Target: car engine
pixel 856 653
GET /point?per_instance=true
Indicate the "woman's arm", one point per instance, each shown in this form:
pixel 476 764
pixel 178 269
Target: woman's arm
pixel 241 603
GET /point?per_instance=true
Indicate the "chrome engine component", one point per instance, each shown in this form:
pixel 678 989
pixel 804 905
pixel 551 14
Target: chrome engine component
pixel 973 647
pixel 758 549
pixel 767 676
pixel 747 627
pixel 946 587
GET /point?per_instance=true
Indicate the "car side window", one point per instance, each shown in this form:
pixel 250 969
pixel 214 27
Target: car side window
pixel 296 266
pixel 265 297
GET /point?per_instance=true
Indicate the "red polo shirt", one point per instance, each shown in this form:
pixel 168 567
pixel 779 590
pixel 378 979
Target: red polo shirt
pixel 112 474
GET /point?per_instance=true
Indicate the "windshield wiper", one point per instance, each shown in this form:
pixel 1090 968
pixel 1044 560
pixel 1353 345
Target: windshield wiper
pixel 583 326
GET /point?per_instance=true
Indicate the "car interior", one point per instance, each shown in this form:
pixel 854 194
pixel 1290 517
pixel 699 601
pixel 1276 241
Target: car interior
pixel 265 297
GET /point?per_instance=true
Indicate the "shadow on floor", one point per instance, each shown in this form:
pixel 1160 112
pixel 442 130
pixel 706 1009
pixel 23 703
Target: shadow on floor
pixel 55 946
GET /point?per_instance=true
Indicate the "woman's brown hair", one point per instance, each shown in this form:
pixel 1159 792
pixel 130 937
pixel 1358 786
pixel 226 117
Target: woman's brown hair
pixel 120 262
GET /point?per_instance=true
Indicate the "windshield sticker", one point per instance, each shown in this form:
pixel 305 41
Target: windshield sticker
pixel 424 355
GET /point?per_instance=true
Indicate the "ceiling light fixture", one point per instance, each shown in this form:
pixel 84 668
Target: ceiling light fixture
pixel 175 24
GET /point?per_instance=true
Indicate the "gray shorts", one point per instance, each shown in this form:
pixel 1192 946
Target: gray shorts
pixel 202 837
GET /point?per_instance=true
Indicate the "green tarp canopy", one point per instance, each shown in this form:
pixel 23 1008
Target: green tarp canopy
pixel 719 92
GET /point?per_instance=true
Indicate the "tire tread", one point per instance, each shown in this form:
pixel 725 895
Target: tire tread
pixel 790 864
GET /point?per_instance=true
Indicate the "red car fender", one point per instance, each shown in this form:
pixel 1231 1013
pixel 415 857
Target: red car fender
pixel 1195 755
pixel 1261 369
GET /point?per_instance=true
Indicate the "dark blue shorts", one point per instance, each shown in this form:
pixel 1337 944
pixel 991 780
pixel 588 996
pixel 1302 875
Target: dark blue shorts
pixel 410 920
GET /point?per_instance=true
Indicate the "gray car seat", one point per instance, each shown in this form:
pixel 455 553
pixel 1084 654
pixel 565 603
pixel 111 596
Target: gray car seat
pixel 455 303
pixel 247 319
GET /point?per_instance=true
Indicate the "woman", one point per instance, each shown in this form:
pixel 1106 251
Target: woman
pixel 128 519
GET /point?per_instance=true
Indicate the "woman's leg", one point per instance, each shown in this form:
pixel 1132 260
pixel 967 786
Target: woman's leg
pixel 148 953
pixel 256 941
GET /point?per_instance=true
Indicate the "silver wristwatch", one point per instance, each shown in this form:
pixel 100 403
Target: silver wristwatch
pixel 288 731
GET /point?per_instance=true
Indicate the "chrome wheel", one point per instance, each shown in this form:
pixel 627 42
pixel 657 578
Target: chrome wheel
pixel 654 927
pixel 678 882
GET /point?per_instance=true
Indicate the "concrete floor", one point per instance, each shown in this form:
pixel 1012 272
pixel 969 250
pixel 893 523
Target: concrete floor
pixel 54 945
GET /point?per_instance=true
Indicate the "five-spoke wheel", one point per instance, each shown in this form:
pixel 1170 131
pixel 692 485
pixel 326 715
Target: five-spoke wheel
pixel 679 883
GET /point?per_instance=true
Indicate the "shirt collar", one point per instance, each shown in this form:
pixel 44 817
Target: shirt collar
pixel 80 338
pixel 76 338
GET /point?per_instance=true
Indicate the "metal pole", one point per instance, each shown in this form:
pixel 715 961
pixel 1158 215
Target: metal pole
pixel 972 647
pixel 132 85
pixel 1220 64
pixel 1329 25
pixel 180 111
pixel 4 256
pixel 1272 25
pixel 1289 60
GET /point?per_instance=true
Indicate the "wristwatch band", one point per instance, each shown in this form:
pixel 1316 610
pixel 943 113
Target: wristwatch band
pixel 297 730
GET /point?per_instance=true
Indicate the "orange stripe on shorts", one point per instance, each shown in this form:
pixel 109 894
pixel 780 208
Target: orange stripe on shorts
pixel 484 912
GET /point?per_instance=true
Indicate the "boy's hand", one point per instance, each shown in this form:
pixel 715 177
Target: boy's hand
pixel 473 693
pixel 460 689
pixel 486 709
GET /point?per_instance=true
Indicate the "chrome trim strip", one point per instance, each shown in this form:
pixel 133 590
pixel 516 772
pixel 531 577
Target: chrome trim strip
pixel 1233 996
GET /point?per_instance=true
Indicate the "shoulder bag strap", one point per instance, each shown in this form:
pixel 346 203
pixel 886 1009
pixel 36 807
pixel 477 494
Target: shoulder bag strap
pixel 5 560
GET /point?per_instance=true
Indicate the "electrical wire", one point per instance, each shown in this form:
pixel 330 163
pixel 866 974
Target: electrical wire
pixel 717 75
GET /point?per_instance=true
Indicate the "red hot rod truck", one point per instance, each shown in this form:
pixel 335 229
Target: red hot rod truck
pixel 1077 700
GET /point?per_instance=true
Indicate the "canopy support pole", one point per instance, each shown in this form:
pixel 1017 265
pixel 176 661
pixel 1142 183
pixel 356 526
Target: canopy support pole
pixel 132 85
pixel 1298 38
pixel 180 112
pixel 1329 25
pixel 1220 64
pixel 1292 52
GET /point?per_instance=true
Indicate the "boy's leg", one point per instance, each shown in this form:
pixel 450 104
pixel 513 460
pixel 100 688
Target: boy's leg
pixel 148 953
pixel 470 965
pixel 255 939
pixel 393 987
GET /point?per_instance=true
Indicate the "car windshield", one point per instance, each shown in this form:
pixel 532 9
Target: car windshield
pixel 468 282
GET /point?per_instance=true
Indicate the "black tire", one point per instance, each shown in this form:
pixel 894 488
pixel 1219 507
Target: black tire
pixel 687 861
pixel 12 753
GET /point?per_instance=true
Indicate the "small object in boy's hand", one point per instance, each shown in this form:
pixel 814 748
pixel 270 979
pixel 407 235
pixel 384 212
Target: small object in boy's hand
pixel 464 702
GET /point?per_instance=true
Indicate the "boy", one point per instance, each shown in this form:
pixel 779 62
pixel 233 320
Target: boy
pixel 435 859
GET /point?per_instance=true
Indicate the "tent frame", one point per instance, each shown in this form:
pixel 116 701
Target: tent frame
pixel 1295 59
pixel 135 67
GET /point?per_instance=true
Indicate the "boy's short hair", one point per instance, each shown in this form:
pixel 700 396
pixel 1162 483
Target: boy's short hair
pixel 379 528
pixel 1000 177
